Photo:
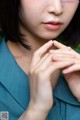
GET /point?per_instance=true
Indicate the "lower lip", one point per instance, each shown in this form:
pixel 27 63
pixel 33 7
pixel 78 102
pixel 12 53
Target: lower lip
pixel 52 26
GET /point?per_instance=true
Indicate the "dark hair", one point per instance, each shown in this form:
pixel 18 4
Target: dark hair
pixel 9 23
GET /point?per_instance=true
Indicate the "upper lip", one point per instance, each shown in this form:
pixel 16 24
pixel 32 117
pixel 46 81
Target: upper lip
pixel 54 22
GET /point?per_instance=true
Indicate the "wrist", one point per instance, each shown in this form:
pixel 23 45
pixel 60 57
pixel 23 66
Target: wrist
pixel 35 113
pixel 39 107
pixel 31 114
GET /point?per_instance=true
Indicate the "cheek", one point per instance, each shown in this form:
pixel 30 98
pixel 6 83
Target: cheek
pixel 29 18
pixel 30 12
pixel 32 7
pixel 69 11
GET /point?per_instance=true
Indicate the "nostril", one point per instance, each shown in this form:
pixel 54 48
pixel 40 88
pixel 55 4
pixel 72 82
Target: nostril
pixel 55 9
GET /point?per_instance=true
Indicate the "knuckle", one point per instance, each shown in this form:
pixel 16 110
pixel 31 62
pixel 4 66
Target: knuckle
pixel 57 66
pixel 35 53
pixel 36 72
pixel 69 48
pixel 39 72
pixel 31 71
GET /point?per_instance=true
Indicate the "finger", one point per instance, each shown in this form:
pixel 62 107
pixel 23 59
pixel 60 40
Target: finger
pixel 59 50
pixel 45 62
pixel 44 48
pixel 58 44
pixel 41 61
pixel 37 55
pixel 62 58
pixel 72 53
pixel 72 68
pixel 59 65
pixel 62 51
pixel 62 55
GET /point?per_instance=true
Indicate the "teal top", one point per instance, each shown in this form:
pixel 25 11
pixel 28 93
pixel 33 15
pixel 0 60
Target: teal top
pixel 15 93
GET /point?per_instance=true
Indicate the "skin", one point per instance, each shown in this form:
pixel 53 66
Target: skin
pixel 42 60
pixel 34 14
pixel 72 72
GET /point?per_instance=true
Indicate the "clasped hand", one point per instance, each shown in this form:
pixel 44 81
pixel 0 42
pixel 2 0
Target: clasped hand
pixel 71 72
pixel 44 73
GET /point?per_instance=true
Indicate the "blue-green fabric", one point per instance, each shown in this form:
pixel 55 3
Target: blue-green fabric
pixel 15 94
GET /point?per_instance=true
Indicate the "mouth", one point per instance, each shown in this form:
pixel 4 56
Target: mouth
pixel 53 25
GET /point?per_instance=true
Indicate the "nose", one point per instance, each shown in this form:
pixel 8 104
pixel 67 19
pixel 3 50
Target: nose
pixel 55 7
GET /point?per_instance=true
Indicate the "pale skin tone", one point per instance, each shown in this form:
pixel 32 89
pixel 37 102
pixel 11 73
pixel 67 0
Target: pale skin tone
pixel 41 59
pixel 72 72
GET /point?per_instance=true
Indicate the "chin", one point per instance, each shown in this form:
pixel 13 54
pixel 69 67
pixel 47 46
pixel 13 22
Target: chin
pixel 49 37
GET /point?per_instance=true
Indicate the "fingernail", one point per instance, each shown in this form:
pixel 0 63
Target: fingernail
pixel 51 41
pixel 55 41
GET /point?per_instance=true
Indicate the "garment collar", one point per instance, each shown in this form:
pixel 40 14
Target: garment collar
pixel 12 77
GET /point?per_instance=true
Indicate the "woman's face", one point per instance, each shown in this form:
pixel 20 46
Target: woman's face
pixel 46 19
